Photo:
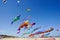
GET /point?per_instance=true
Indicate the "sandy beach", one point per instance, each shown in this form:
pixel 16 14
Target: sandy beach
pixel 30 39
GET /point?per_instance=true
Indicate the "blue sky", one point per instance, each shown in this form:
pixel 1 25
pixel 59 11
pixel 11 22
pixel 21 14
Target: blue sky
pixel 45 13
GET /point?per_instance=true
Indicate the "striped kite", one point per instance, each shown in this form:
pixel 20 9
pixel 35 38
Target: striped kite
pixel 46 31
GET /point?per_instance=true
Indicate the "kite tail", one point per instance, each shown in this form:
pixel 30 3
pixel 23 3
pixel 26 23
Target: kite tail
pixel 18 31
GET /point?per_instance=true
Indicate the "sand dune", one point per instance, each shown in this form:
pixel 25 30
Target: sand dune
pixel 30 39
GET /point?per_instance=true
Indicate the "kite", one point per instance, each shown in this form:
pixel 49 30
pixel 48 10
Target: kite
pixel 46 31
pixel 28 9
pixel 25 24
pixel 4 1
pixel 57 30
pixel 15 19
pixel 18 2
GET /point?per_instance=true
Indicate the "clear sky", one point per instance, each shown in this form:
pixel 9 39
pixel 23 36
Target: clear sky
pixel 45 13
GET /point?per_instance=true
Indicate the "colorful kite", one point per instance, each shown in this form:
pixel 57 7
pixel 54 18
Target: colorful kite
pixel 15 19
pixel 51 29
pixel 25 24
